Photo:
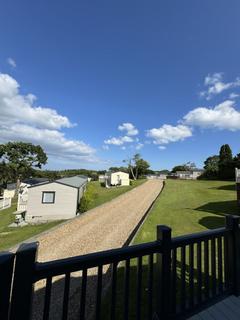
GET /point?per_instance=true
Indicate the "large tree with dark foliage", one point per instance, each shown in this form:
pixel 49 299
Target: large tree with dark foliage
pixel 226 163
pixel 211 167
pixel 222 166
pixel 20 158
pixel 225 153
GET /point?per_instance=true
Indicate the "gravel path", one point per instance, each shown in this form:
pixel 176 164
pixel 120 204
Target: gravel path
pixel 105 227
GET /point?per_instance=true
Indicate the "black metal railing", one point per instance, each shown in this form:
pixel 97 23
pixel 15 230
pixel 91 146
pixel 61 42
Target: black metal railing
pixel 167 278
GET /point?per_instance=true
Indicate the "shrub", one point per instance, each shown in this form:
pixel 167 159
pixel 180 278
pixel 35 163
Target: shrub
pixel 87 198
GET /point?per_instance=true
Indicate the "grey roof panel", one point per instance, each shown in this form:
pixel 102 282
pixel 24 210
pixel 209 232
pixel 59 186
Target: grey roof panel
pixel 76 181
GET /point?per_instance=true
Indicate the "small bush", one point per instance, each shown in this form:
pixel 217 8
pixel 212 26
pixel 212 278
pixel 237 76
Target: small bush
pixel 87 198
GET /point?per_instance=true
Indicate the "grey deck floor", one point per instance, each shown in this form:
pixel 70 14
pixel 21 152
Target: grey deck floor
pixel 227 309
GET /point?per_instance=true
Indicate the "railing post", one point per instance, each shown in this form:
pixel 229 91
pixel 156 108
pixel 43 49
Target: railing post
pixel 6 272
pixel 238 193
pixel 164 272
pixel 233 259
pixel 22 290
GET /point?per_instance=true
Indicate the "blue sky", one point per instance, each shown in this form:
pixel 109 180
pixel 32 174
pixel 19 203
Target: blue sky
pixel 165 72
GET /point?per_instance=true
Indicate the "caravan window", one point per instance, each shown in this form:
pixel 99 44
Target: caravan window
pixel 48 197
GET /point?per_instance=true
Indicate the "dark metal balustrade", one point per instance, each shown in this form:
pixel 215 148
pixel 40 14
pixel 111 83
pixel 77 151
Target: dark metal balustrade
pixel 168 278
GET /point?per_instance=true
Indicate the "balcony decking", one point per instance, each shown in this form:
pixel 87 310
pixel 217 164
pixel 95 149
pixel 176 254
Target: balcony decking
pixel 227 309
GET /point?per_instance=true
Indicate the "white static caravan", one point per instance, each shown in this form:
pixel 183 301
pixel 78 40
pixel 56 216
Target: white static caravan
pixel 189 175
pixel 117 179
pixel 57 200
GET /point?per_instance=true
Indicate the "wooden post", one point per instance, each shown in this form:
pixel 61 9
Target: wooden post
pixel 164 271
pixel 6 273
pixel 233 259
pixel 22 290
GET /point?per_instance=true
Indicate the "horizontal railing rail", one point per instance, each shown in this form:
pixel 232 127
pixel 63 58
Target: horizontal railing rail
pixel 163 279
pixel 87 261
pixel 199 236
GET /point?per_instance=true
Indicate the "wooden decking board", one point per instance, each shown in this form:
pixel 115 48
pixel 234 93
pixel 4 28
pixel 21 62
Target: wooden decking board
pixel 206 315
pixel 234 307
pixel 227 309
pixel 235 300
pixel 216 314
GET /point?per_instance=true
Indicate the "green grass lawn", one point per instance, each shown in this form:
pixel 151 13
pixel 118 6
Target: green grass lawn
pixel 11 236
pixel 102 194
pixel 190 206
pixel 186 207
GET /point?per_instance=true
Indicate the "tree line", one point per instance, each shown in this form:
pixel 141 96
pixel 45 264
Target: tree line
pixel 20 160
pixel 221 166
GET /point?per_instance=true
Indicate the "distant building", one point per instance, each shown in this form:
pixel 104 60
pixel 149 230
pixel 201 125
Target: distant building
pixel 156 176
pixel 119 178
pixel 189 175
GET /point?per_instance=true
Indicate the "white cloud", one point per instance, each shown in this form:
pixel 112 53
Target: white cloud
pixel 105 147
pixel 139 146
pixel 53 140
pixel 19 108
pixel 130 129
pixel 11 62
pixel 118 141
pixel 20 120
pixel 215 85
pixel 233 95
pixel 162 147
pixel 222 116
pixel 168 133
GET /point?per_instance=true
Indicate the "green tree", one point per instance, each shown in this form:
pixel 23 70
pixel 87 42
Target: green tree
pixel 141 167
pixel 20 159
pixel 211 167
pixel 225 154
pixel 226 163
pixel 116 169
pixel 5 174
pixel 137 166
pixel 181 167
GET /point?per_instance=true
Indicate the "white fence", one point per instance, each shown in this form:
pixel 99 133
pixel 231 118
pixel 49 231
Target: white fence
pixel 5 203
